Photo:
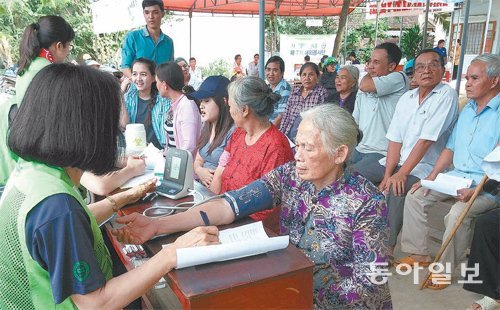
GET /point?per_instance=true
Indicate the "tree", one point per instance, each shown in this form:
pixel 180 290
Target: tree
pixel 16 15
pixel 411 40
pixel 342 23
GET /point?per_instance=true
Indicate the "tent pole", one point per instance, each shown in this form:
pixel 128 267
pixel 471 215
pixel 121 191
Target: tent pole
pixel 424 41
pixel 376 25
pixel 190 33
pixel 486 28
pixel 262 55
pixel 465 30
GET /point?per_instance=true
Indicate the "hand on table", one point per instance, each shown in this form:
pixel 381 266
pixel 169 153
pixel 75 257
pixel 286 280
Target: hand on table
pixel 137 192
pixel 138 229
pixel 199 236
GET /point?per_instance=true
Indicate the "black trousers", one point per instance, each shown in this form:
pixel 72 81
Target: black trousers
pixel 485 250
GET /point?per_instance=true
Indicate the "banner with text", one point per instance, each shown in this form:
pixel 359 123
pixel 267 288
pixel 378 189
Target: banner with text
pixel 293 48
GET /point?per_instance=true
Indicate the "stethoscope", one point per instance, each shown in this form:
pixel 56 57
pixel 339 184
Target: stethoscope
pixel 161 211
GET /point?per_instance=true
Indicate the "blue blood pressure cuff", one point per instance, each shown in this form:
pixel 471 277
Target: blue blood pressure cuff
pixel 247 200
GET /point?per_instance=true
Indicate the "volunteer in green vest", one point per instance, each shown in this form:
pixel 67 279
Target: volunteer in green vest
pixel 52 249
pixel 43 42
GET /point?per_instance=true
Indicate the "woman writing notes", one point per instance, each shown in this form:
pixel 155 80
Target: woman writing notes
pixel 52 249
pixel 337 218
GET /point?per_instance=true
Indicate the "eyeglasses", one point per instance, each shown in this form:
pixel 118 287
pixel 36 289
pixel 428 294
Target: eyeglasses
pixel 433 65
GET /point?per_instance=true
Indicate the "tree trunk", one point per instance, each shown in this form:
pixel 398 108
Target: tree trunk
pixel 341 30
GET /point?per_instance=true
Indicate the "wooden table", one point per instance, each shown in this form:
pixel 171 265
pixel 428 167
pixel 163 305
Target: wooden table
pixel 278 279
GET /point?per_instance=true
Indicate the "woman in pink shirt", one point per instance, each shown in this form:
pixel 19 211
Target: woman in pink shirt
pixel 183 122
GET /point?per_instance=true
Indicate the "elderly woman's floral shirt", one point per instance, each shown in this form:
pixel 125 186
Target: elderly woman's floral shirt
pixel 342 229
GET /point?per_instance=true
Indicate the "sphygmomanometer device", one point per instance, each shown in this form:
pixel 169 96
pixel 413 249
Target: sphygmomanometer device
pixel 178 174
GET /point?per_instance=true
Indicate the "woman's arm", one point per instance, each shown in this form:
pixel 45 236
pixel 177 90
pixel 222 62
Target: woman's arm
pixel 124 119
pixel 104 208
pixel 216 185
pixel 103 185
pixel 120 291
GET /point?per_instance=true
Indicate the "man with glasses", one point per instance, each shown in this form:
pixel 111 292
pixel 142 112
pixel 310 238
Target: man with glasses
pixel 149 42
pixel 275 68
pixel 421 124
pixel 476 134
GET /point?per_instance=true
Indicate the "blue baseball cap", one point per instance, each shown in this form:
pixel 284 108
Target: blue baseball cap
pixel 215 85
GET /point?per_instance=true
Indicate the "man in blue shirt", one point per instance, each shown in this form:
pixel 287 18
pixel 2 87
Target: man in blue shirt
pixel 475 135
pixel 441 49
pixel 148 42
pixel 275 68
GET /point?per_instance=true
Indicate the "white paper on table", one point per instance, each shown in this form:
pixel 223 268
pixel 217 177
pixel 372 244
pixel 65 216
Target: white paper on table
pixel 491 164
pixel 153 156
pixel 139 179
pixel 447 184
pixel 238 242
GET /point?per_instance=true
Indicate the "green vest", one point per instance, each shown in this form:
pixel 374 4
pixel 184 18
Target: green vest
pixel 24 284
pixel 23 81
pixel 7 157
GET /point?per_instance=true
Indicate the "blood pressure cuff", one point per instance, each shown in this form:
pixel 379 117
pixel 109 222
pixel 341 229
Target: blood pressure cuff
pixel 249 199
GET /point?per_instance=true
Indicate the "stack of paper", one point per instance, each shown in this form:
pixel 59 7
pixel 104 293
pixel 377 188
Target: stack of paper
pixel 155 165
pixel 242 241
pixel 447 184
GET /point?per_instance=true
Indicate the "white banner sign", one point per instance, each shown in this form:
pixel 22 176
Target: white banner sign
pixel 115 15
pixel 293 48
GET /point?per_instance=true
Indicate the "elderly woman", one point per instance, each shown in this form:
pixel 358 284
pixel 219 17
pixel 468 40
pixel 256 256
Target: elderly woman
pixel 346 83
pixel 338 219
pixel 256 146
pixel 302 98
pixel 189 79
pixel 53 253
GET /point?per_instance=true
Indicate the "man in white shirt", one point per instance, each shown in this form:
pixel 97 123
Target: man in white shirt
pixel 475 135
pixel 194 71
pixel 253 67
pixel 379 92
pixel 421 124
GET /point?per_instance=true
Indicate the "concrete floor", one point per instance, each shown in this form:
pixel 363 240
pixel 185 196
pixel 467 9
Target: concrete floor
pixel 407 295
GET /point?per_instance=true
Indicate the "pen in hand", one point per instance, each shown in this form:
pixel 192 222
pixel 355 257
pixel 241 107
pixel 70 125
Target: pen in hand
pixel 204 217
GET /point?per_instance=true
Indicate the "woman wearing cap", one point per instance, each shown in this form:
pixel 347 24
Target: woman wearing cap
pixel 144 104
pixel 337 218
pixel 44 42
pixel 53 253
pixel 256 146
pixel 302 98
pixel 346 84
pixel 183 122
pixel 217 129
pixel 327 79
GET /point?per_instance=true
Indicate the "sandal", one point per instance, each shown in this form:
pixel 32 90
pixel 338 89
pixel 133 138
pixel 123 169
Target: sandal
pixel 438 281
pixel 486 303
pixel 408 260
